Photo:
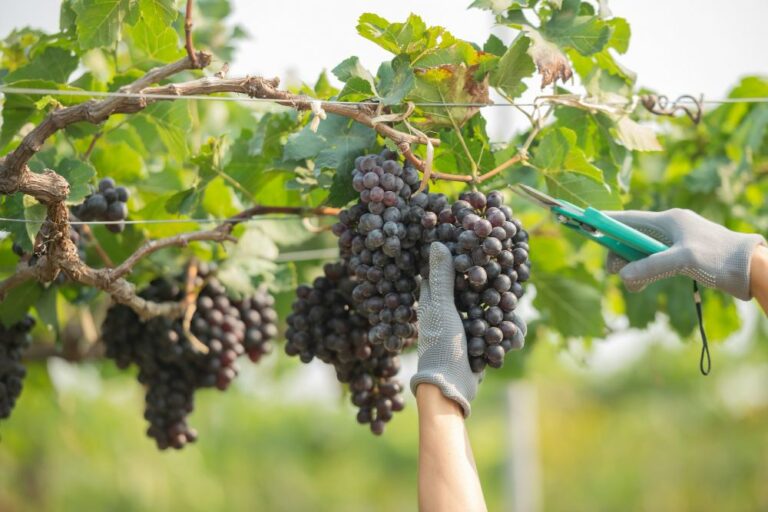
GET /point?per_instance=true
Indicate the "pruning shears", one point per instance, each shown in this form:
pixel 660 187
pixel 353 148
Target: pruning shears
pixel 623 240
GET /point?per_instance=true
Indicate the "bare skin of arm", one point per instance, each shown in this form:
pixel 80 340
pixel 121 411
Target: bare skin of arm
pixel 758 276
pixel 448 479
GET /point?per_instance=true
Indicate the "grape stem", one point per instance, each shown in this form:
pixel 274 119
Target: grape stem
pixel 190 306
pixel 188 36
pixel 537 122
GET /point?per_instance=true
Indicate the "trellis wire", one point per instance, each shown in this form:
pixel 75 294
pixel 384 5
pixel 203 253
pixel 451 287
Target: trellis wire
pixel 118 94
pixel 161 221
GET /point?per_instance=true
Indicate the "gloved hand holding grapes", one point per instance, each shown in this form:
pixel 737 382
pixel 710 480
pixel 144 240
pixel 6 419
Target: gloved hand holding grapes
pixel 443 358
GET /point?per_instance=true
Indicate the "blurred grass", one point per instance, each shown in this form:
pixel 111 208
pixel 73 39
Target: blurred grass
pixel 656 436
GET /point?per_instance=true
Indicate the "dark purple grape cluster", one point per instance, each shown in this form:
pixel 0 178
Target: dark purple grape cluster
pixel 170 361
pixel 106 204
pixel 13 340
pixel 324 324
pixel 490 249
pixel 380 238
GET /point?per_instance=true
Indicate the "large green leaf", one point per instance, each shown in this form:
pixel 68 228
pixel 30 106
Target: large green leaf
pixel 409 37
pixel 18 301
pixel 53 64
pixel 19 109
pixel 571 304
pixel 472 138
pixel 99 22
pixel 351 67
pixel 79 174
pixel 515 65
pixel 396 80
pixel 583 191
pixel 336 144
pixel 558 151
pixel 12 207
pixel 357 89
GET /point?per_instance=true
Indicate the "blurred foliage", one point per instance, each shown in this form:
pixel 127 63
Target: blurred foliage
pixel 651 436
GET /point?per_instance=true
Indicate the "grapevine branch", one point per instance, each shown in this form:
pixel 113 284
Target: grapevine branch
pixel 188 36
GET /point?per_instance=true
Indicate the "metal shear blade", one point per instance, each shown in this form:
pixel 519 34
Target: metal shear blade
pixel 534 195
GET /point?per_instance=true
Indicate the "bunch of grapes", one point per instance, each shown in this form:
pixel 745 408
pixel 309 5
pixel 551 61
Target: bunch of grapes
pixel 490 249
pixel 169 358
pixel 325 324
pixel 106 204
pixel 13 340
pixel 380 238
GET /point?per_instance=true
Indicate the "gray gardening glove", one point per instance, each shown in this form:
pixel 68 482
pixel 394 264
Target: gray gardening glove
pixel 700 249
pixel 443 358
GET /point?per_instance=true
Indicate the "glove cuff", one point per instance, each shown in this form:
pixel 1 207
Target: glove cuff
pixel 736 278
pixel 448 389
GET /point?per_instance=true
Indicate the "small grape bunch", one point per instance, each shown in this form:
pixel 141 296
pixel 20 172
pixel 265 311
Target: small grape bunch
pixel 106 204
pixel 167 351
pixel 490 249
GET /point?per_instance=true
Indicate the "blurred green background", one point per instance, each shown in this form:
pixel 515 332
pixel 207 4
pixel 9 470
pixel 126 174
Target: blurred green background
pixel 647 434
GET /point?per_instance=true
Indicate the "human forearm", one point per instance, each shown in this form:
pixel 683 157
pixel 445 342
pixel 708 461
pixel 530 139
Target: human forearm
pixel 448 477
pixel 758 276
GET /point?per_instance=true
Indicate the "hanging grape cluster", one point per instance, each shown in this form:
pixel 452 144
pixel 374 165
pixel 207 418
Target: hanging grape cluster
pixel 361 314
pixel 171 365
pixel 325 324
pixel 13 340
pixel 106 204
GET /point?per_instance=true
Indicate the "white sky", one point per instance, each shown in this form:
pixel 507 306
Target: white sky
pixel 676 46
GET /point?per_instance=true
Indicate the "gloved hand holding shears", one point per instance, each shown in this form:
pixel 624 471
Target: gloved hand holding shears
pixel 648 246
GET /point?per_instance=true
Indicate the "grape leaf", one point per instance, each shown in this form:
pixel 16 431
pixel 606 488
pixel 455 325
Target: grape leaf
pixel 409 37
pixel 514 66
pixel 156 45
pixel 53 64
pixel 495 46
pixel 47 307
pixel 78 174
pixel 451 155
pixel 158 15
pixel 169 119
pixel 351 67
pixel 620 34
pixel 558 151
pixel 583 191
pixel 356 89
pixel 571 304
pixel 448 84
pixel 12 207
pixel 336 144
pixel 99 21
pixel 341 192
pixel 18 301
pixel 396 80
